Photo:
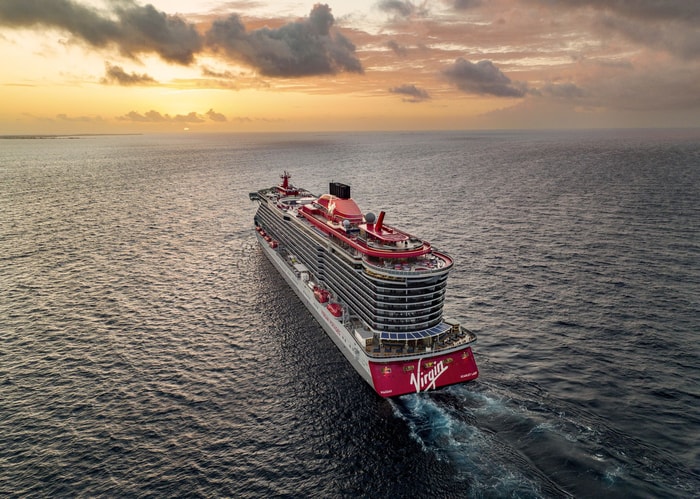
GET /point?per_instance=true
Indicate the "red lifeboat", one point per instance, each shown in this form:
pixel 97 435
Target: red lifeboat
pixel 322 296
pixel 335 309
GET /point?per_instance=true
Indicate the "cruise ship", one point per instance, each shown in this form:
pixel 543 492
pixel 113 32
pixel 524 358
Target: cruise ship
pixel 377 291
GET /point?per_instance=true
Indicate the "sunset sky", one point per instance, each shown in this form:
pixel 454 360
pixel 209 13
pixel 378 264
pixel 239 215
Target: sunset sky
pixel 102 66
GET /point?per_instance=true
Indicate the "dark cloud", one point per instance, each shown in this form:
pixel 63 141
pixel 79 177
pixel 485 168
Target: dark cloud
pixel 134 29
pixel 84 22
pixel 482 78
pixel 670 25
pixel 684 43
pixel 115 74
pixel 306 47
pixel 397 48
pixel 145 29
pixel 650 10
pixel 402 8
pixel 301 48
pixel 465 4
pixel 413 93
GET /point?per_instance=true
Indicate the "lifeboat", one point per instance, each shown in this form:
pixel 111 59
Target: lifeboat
pixel 321 295
pixel 335 309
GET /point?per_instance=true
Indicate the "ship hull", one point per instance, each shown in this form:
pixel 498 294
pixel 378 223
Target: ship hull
pixel 388 376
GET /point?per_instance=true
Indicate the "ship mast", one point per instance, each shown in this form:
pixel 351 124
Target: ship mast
pixel 285 179
pixel 286 188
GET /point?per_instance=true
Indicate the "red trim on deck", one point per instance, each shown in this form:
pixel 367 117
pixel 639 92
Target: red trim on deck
pixel 361 247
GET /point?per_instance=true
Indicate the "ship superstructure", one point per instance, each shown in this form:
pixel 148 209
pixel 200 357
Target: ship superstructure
pixel 376 290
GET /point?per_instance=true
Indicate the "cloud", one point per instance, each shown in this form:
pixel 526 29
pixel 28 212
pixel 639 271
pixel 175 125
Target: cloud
pixel 301 48
pixel 81 119
pixel 115 74
pixel 397 48
pixel 214 116
pixel 482 78
pixel 681 42
pixel 670 25
pixel 650 10
pixel 398 7
pixel 414 93
pixel 145 29
pixel 465 4
pixel 404 9
pixel 84 22
pixel 226 75
pixel 153 116
pixel 134 29
pixel 309 46
pixel 560 90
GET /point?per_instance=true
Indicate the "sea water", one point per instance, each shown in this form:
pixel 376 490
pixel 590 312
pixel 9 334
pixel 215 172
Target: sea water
pixel 148 348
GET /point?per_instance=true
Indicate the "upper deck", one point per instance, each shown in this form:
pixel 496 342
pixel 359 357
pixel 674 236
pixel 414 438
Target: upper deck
pixel 385 249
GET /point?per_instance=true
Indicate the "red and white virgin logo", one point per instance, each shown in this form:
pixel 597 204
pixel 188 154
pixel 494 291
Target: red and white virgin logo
pixel 426 380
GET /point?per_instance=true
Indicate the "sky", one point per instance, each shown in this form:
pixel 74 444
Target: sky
pixel 127 66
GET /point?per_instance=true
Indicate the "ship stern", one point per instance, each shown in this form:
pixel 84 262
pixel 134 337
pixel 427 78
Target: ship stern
pixel 396 377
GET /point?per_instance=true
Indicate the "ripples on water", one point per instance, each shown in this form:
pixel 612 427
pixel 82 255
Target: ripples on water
pixel 148 348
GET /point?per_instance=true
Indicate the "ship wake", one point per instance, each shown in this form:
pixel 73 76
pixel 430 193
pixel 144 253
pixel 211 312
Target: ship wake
pixel 513 440
pixel 488 466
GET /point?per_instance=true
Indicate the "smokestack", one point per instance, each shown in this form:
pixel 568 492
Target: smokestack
pixel 339 190
pixel 380 220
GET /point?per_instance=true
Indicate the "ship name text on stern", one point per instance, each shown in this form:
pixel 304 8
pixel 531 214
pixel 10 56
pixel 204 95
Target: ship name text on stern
pixel 426 380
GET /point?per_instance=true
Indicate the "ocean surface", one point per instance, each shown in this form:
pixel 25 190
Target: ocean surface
pixel 149 349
